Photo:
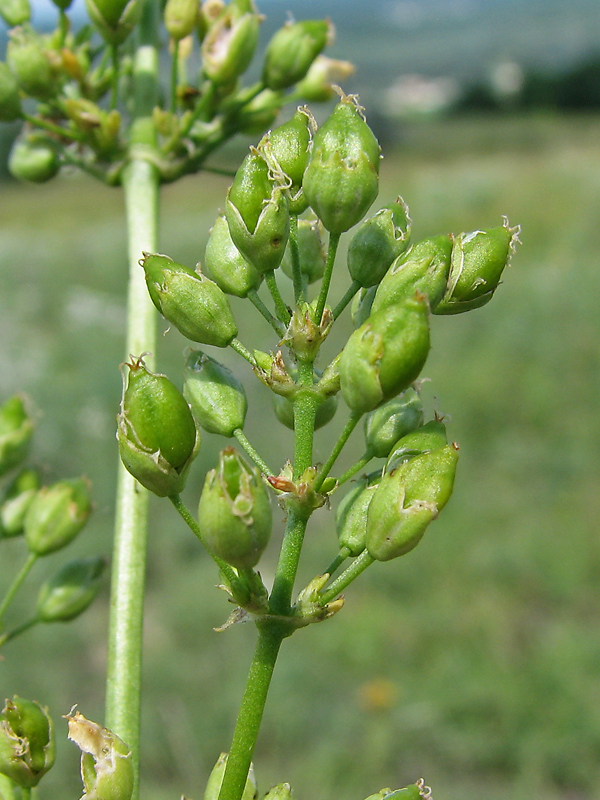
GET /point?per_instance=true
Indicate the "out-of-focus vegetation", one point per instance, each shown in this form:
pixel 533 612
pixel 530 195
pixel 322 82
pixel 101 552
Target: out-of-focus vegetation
pixel 474 660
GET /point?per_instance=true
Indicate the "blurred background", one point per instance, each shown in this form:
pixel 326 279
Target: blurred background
pixel 475 660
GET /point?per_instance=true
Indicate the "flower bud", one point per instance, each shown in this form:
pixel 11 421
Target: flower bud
pixel 284 411
pixel 311 251
pixel 216 397
pixel 71 590
pixel 215 779
pixel 234 513
pixel 15 12
pixel 157 435
pixel 192 302
pixel 10 101
pixel 56 515
pixel 351 515
pixel 407 500
pixel 287 148
pixel 106 763
pixel 283 791
pixel 257 214
pixel 29 63
pixel 323 75
pixel 16 430
pixel 180 18
pixel 389 422
pixel 385 355
pixel 225 265
pixel 32 160
pixel 229 45
pixel 15 502
pixel 114 19
pixel 293 49
pixel 478 260
pixel 428 437
pixel 423 268
pixel 341 180
pixel 379 240
pixel 26 742
pixel 361 305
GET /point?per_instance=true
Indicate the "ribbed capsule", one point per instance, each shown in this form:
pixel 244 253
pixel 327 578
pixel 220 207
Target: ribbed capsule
pixel 114 19
pixel 28 60
pixel 225 265
pixel 324 73
pixel 351 515
pixel 193 303
pixel 16 430
pixel 341 180
pixel 16 500
pixel 216 397
pixel 33 160
pixel 180 17
pixel 27 749
pixel 106 761
pixel 229 45
pixel 423 439
pixel 71 591
pixel 292 50
pixel 287 149
pixel 391 421
pixel 56 515
pixel 378 241
pixel 15 12
pixel 385 355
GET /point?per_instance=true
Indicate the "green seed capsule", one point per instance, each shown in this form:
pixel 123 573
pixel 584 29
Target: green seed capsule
pixel 284 411
pixel 10 101
pixel 15 502
pixel 478 260
pixel 428 437
pixel 193 303
pixel 106 761
pixel 323 74
pixel 71 590
pixel 407 500
pixel 229 46
pixel 257 214
pixel 180 18
pixel 114 19
pixel 351 515
pixel 287 148
pixel 292 50
pixel 213 786
pixel 15 12
pixel 391 421
pixel 26 742
pixel 16 430
pixel 409 793
pixel 157 435
pixel 217 398
pixel 283 791
pixel 341 180
pixel 379 240
pixel 234 513
pixel 385 355
pixel 56 515
pixel 26 56
pixel 225 265
pixel 423 268
pixel 260 113
pixel 31 160
pixel 311 251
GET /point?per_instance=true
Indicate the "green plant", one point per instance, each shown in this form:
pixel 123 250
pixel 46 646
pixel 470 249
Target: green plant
pixel 328 174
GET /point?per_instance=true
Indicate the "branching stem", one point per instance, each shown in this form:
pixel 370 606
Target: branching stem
pixel 23 573
pixel 357 567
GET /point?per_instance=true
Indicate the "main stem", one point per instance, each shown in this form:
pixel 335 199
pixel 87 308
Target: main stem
pixel 141 187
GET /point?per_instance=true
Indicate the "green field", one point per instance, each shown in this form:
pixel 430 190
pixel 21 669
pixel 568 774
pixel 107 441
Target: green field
pixel 473 661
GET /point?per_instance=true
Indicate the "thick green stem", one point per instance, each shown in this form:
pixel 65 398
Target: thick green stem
pixel 357 567
pixel 334 240
pixel 141 186
pixel 344 436
pixel 24 572
pixel 251 711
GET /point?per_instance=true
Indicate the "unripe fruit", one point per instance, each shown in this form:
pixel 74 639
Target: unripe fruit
pixel 217 398
pixel 292 50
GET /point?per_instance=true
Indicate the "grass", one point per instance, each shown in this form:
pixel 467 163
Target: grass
pixel 475 660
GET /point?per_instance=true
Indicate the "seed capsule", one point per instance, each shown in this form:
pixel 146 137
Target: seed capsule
pixel 114 19
pixel 16 430
pixel 292 50
pixel 284 411
pixel 26 742
pixel 217 398
pixel 391 421
pixel 106 762
pixel 31 160
pixel 424 439
pixel 385 355
pixel 193 303
pixel 15 12
pixel 234 513
pixel 28 61
pixel 323 74
pixel 287 148
pixel 71 590
pixel 56 515
pixel 10 101
pixel 257 214
pixel 15 502
pixel 225 265
pixel 180 18
pixel 478 260
pixel 423 268
pixel 351 515
pixel 156 431
pixel 379 240
pixel 229 45
pixel 341 180
pixel 283 791
pixel 407 500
